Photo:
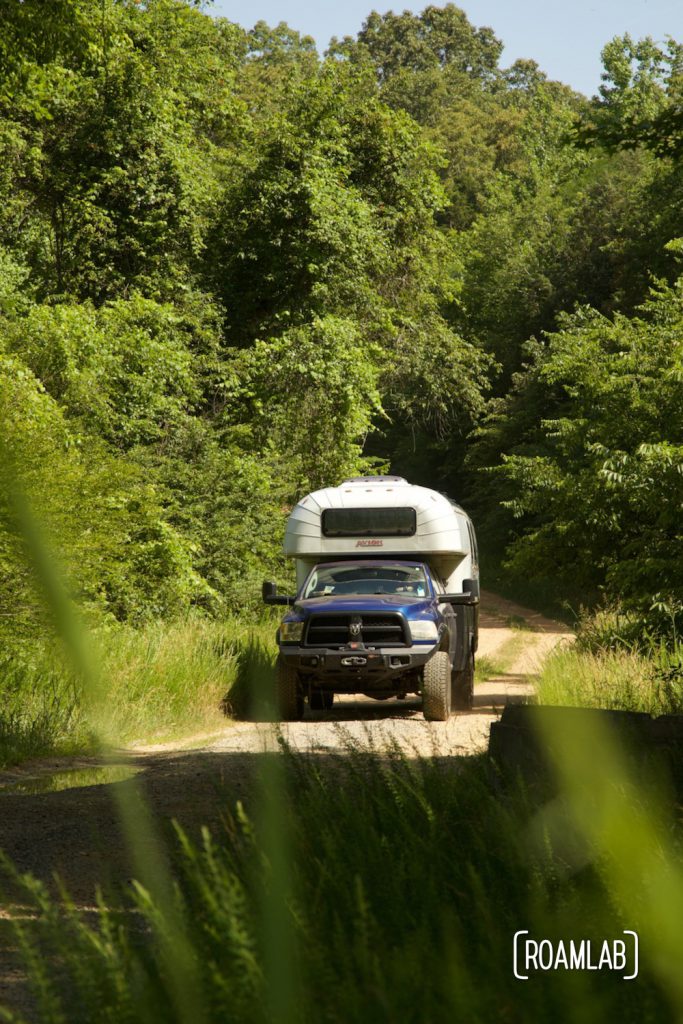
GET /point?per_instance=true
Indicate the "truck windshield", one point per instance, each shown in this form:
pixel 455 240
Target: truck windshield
pixel 338 580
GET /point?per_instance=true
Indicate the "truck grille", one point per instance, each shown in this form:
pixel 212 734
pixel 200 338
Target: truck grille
pixel 376 630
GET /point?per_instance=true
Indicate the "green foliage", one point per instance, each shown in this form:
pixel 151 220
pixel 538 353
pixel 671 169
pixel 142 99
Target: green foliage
pixel 121 154
pixel 313 393
pixel 279 46
pixel 231 505
pixel 124 371
pixel 329 247
pixel 639 101
pixel 597 481
pixel 439 37
pixel 119 552
pixel 342 199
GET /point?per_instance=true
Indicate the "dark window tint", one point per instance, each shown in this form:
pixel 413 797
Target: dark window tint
pixel 369 522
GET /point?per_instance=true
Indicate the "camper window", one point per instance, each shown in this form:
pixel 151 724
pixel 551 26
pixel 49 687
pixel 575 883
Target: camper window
pixel 369 522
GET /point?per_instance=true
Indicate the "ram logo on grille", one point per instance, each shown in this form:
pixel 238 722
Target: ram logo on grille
pixel 355 627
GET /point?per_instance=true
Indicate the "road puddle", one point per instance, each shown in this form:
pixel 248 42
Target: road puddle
pixel 69 778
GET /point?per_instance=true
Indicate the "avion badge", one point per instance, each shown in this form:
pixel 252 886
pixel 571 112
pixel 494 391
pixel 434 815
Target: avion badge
pixel 370 544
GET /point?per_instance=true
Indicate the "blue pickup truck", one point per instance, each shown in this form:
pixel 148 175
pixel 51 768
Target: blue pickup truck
pixel 381 627
pixel 387 598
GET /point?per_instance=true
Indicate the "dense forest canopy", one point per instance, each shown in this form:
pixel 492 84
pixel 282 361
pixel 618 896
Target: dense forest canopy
pixel 232 270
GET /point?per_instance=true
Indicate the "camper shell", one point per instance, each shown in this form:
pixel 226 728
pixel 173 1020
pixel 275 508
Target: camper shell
pixel 374 557
pixel 347 522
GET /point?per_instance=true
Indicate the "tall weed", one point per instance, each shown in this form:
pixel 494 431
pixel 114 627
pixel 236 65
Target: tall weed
pixel 166 678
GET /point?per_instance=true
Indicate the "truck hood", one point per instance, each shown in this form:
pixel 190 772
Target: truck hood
pixel 411 607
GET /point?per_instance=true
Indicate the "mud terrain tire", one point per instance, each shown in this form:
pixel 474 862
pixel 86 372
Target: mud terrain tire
pixel 436 688
pixel 290 698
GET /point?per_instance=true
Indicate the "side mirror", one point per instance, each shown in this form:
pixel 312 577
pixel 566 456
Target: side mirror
pixel 472 586
pixel 465 598
pixel 270 595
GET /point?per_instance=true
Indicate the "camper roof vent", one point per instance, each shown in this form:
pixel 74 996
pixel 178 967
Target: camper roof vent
pixel 375 480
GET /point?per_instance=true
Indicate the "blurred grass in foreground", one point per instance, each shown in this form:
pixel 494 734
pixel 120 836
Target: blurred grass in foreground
pixel 402 886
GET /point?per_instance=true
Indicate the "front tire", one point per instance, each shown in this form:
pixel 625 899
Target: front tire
pixel 462 689
pixel 290 698
pixel 436 688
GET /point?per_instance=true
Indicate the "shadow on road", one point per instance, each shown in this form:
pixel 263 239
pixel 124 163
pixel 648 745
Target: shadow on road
pixel 358 708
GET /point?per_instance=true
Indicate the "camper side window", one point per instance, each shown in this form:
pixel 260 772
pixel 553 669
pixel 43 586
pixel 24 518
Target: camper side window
pixel 473 547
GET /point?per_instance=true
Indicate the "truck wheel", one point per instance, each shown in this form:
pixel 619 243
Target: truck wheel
pixel 290 699
pixel 436 688
pixel 321 700
pixel 462 688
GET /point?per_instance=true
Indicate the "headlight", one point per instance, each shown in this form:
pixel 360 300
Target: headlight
pixel 423 629
pixel 291 632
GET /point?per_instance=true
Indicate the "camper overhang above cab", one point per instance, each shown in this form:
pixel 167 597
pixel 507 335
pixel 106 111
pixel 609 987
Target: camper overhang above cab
pixel 375 516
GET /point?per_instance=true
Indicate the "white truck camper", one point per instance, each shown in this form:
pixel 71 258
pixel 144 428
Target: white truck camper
pixel 387 598
pixel 345 522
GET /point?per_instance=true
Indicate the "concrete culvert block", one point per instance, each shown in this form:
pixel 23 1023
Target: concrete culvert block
pixel 521 738
pixel 522 741
pixel 667 730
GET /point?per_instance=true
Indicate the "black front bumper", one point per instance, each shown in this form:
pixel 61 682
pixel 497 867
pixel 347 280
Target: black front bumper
pixel 356 664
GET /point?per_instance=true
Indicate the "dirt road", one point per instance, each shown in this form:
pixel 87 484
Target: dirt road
pixel 59 816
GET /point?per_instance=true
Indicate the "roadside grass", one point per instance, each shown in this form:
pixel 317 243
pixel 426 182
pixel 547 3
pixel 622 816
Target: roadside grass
pixel 158 682
pixel 487 667
pixel 170 678
pixel 253 689
pixel 620 679
pixel 491 666
pixel 40 709
pixel 394 896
